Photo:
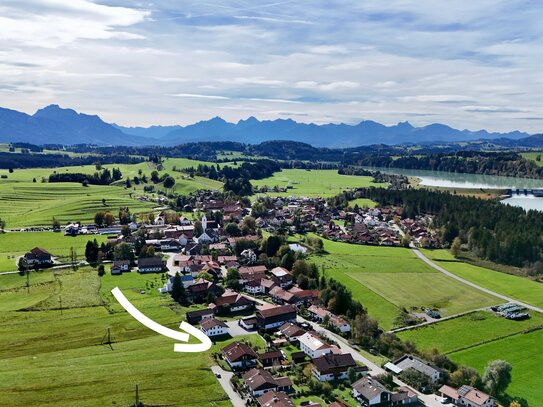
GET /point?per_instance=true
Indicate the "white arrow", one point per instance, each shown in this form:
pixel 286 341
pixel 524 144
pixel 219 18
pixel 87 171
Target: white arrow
pixel 170 333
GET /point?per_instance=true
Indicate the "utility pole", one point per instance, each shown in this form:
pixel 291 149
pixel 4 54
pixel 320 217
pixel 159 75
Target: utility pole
pixel 137 396
pixel 60 302
pixel 28 281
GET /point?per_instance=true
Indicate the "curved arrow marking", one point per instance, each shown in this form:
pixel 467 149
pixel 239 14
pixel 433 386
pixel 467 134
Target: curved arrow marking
pixel 170 333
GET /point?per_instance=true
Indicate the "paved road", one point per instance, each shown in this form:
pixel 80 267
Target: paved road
pixel 478 287
pixel 235 329
pixel 235 398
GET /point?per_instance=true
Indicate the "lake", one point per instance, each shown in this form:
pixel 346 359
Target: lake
pixel 476 181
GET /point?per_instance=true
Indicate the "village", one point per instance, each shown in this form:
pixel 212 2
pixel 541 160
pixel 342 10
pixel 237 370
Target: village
pixel 218 262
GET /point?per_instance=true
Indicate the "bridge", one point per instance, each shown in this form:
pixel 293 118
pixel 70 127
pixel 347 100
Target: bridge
pixel 538 192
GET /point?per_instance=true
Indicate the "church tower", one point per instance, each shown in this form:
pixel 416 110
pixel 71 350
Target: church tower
pixel 204 222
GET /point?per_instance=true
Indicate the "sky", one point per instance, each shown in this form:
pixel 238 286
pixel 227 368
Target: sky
pixel 468 64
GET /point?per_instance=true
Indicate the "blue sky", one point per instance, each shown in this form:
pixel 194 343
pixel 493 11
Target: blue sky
pixel 473 64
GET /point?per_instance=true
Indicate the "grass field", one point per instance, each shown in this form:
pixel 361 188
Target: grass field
pixel 532 155
pixel 363 202
pixel 386 279
pixel 27 203
pixel 14 244
pixel 516 287
pixel 467 331
pixel 523 352
pixel 313 183
pixel 53 359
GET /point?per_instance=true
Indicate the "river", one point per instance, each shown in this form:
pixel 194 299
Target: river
pixel 476 181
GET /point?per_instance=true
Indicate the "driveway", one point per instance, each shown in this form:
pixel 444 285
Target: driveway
pixel 236 330
pixel 224 380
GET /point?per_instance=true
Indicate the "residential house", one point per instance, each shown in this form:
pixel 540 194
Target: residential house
pixel 239 356
pixel 369 392
pixel 213 327
pixel 404 396
pixel 318 313
pixel 313 346
pixel 275 399
pixel 232 301
pixel 271 358
pixel 150 264
pixel 412 362
pixel 120 266
pixel 38 257
pixel 260 381
pixel 281 277
pixel 194 317
pixel 254 273
pixel 255 287
pixel 275 316
pixel 340 324
pixel 467 396
pixel 201 288
pixel 249 323
pixel 332 366
pixel 291 331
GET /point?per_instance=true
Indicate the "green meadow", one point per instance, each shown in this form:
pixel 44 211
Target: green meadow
pixel 313 183
pixel 363 203
pixel 388 279
pixel 15 244
pixel 24 202
pixel 532 155
pixel 54 357
pixel 467 331
pixel 523 352
pixel 520 288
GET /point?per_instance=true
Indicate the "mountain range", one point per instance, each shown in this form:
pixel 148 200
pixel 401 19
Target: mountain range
pixel 55 125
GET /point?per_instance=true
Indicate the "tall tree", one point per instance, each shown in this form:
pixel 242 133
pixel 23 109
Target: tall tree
pixel 497 377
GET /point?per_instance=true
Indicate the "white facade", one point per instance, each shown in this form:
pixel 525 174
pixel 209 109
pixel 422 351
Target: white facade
pixel 216 330
pixel 329 377
pixel 313 346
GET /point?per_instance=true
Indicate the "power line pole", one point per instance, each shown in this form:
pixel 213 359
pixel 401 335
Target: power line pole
pixel 28 281
pixel 137 396
pixel 60 301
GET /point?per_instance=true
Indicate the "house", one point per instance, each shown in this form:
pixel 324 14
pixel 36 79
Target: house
pixel 254 273
pixel 120 266
pixel 150 264
pixel 404 396
pixel 330 367
pixel 201 288
pixel 291 331
pixel 313 346
pixel 239 356
pixel 318 313
pixel 255 287
pixel 249 256
pixel 249 323
pixel 298 357
pixel 340 324
pixel 193 317
pixel 213 327
pixel 260 381
pixel 275 316
pixel 369 392
pixel 281 277
pixel 232 301
pixel 281 296
pixel 275 399
pixel 412 362
pixel 38 257
pixel 270 358
pixel 467 396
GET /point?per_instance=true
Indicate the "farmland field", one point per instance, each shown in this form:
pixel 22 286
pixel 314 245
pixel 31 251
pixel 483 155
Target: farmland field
pixel 313 183
pixel 27 203
pixel 532 155
pixel 467 331
pixel 61 354
pixel 14 244
pixel 516 287
pixel 385 279
pixel 523 352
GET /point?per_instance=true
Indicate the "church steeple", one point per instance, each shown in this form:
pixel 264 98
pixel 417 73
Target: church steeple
pixel 204 223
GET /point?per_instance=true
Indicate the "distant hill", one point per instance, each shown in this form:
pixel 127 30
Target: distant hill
pixel 54 124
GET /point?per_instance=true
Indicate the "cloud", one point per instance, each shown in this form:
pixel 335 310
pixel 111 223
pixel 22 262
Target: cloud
pixel 338 61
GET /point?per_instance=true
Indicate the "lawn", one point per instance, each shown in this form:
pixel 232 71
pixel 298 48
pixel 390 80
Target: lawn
pixel 532 155
pixel 386 279
pixel 14 244
pixel 363 203
pixel 520 288
pixel 467 331
pixel 523 352
pixel 49 358
pixel 313 183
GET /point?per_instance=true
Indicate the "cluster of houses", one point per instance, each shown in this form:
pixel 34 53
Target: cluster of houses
pixel 420 231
